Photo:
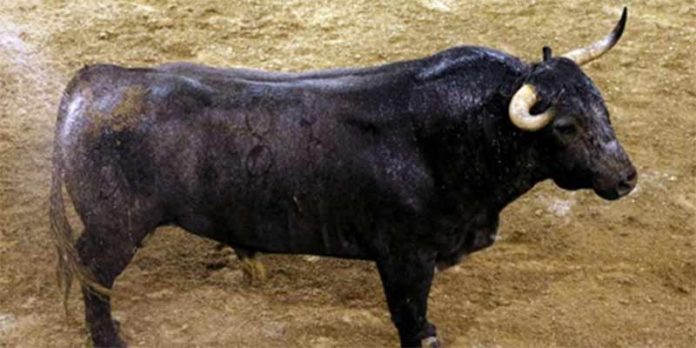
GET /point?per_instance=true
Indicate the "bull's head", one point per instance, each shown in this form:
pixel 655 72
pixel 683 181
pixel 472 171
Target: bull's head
pixel 561 103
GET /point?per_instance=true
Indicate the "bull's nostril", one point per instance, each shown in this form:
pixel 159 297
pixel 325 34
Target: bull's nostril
pixel 626 185
pixel 631 177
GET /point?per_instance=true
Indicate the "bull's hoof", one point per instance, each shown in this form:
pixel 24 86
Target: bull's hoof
pixel 100 342
pixel 254 271
pixel 431 342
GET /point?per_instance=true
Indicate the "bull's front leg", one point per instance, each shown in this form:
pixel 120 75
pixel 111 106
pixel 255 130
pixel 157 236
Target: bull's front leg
pixel 406 278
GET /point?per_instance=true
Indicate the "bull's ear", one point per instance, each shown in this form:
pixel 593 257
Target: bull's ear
pixel 546 53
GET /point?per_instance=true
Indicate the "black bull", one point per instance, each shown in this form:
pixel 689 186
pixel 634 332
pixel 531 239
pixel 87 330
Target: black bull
pixel 407 164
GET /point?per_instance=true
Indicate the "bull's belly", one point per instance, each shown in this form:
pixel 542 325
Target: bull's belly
pixel 276 239
pixel 287 231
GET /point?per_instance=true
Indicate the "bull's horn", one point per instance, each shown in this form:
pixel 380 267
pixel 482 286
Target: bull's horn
pixel 521 103
pixel 587 54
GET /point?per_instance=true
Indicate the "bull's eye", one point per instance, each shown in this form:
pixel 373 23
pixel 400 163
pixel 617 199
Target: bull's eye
pixel 565 128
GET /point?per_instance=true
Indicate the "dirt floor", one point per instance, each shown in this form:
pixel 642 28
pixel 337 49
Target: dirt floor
pixel 570 270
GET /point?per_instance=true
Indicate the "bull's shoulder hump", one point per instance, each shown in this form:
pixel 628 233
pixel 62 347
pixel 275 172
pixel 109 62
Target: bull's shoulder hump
pixel 467 57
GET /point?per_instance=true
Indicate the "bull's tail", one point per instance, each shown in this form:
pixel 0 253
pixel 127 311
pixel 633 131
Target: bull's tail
pixel 69 264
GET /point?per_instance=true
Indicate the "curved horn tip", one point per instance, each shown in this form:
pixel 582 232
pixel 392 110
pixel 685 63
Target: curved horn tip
pixel 595 50
pixel 621 25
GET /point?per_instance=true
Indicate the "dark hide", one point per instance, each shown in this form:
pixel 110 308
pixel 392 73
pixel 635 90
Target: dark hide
pixel 407 164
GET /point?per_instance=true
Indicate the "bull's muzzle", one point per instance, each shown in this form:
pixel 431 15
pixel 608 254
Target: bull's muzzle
pixel 615 187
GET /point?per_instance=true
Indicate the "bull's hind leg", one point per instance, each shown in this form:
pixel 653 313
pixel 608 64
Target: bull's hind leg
pixel 105 252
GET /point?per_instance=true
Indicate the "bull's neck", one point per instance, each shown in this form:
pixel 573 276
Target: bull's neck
pixel 478 156
pixel 511 164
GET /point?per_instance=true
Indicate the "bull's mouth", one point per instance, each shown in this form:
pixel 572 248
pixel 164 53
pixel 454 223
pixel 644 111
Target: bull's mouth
pixel 609 194
pixel 573 183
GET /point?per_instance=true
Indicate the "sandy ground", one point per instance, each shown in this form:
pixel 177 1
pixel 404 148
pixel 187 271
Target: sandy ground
pixel 570 269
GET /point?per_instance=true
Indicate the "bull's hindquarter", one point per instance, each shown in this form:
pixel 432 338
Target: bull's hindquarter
pixel 355 164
